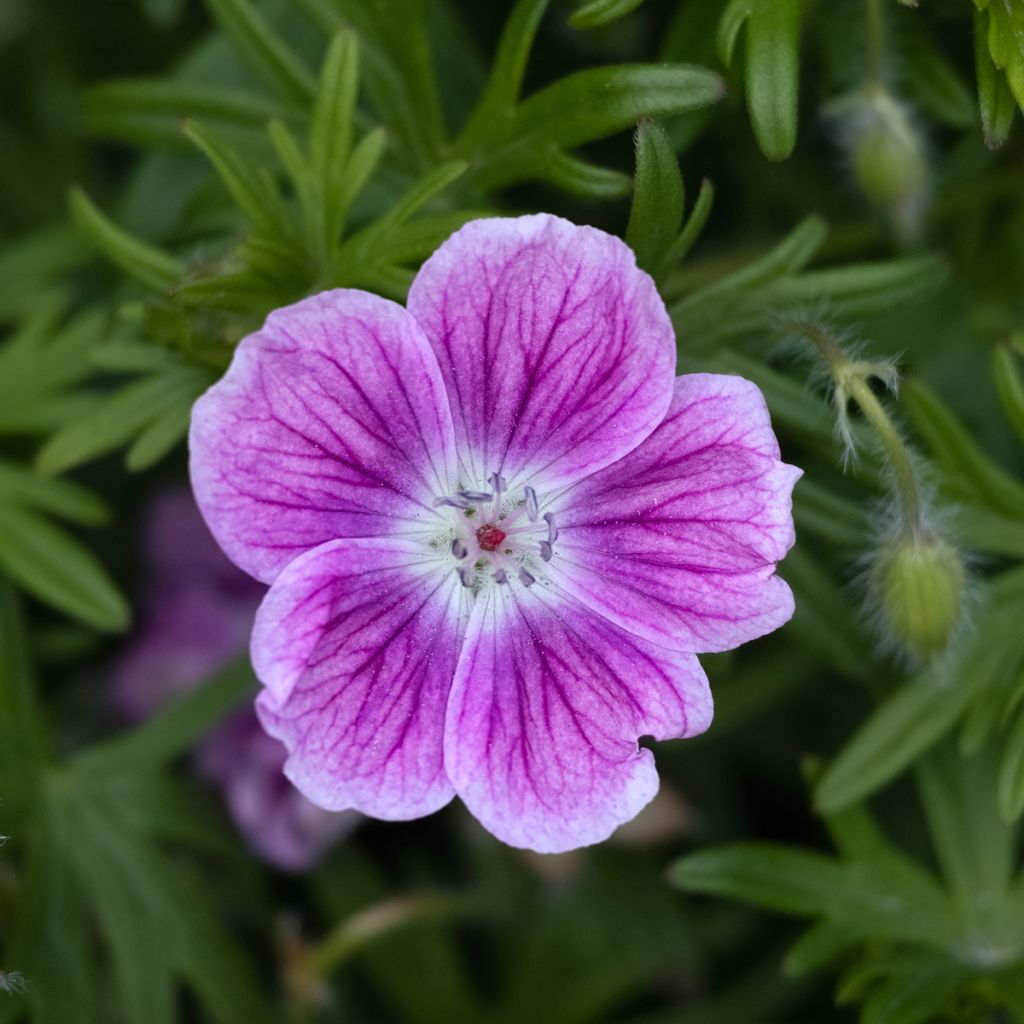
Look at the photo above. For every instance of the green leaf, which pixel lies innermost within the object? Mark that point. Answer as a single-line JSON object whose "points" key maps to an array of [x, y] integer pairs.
{"points": [[733, 17], [915, 994], [1010, 386], [965, 466], [150, 112], [159, 438], [794, 881], [398, 74], [831, 517], [860, 289], [112, 869], [693, 226], [773, 66], [995, 100], [602, 12], [598, 102], [913, 718], [779, 878], [330, 132], [23, 737], [501, 95], [174, 728], [263, 49], [252, 188], [63, 498], [589, 105], [822, 944], [58, 570], [581, 178], [361, 165], [973, 844], [363, 257], [935, 83], [1011, 773], [120, 416], [54, 942], [980, 528], [906, 724], [657, 211], [704, 307], [147, 264]]}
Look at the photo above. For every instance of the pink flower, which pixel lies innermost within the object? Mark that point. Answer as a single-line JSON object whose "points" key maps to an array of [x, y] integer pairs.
{"points": [[496, 528], [198, 613]]}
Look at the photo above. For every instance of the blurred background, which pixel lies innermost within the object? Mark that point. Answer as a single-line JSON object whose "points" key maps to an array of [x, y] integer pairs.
{"points": [[842, 844]]}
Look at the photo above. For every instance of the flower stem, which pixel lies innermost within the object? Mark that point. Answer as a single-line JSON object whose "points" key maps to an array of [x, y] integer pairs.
{"points": [[876, 42], [851, 379]]}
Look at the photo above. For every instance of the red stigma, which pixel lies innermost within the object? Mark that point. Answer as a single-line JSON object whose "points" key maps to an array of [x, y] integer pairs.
{"points": [[489, 537]]}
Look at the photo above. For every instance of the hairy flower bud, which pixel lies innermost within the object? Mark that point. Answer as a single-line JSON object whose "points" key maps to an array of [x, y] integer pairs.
{"points": [[922, 582], [887, 155]]}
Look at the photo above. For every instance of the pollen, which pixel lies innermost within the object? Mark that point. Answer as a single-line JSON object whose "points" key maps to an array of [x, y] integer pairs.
{"points": [[489, 537]]}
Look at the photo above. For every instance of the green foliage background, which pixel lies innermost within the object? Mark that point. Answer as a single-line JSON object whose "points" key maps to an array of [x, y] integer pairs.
{"points": [[173, 170]]}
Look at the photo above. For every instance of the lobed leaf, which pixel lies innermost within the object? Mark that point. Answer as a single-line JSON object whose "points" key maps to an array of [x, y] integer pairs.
{"points": [[48, 563], [144, 262], [263, 49]]}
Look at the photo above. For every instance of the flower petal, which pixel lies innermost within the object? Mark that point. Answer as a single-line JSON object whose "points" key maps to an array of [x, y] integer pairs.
{"points": [[356, 644], [548, 703], [332, 421], [556, 350], [678, 541]]}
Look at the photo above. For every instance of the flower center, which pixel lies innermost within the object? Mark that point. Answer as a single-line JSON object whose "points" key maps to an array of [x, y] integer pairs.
{"points": [[513, 542], [489, 537]]}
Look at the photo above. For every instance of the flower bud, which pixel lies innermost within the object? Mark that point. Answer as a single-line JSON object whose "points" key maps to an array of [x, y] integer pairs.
{"points": [[922, 583], [887, 156]]}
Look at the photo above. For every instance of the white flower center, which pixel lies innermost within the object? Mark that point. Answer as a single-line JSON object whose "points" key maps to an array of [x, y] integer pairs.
{"points": [[497, 535]]}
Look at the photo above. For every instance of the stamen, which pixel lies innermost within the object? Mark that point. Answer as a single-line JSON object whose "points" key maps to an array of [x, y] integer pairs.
{"points": [[549, 518], [531, 504], [450, 502], [546, 551], [476, 496], [500, 576], [526, 578], [465, 575], [459, 550], [497, 482]]}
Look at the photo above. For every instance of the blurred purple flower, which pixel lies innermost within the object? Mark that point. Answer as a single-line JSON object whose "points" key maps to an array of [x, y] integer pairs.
{"points": [[198, 612], [496, 528]]}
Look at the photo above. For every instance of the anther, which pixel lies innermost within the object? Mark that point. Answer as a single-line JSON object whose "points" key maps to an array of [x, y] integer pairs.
{"points": [[465, 575], [546, 551], [500, 576], [459, 550], [476, 496], [497, 482], [451, 502], [526, 578], [549, 518], [531, 504]]}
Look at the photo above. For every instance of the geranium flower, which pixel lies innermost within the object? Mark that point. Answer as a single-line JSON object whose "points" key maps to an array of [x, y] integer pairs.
{"points": [[496, 528], [198, 611]]}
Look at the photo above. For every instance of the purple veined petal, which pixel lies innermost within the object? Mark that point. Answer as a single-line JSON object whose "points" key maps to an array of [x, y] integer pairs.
{"points": [[356, 645], [557, 352], [275, 819], [678, 541], [548, 703], [332, 421]]}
